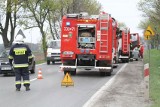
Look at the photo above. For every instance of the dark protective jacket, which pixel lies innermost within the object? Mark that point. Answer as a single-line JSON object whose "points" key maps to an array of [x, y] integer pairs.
{"points": [[21, 55]]}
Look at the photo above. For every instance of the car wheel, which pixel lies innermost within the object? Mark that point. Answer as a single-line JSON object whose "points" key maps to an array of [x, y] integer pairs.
{"points": [[48, 62], [33, 68]]}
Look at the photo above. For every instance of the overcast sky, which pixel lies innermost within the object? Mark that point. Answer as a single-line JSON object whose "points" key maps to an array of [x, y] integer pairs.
{"points": [[122, 10], [125, 11]]}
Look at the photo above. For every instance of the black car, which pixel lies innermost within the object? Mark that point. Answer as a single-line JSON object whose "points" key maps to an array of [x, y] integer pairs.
{"points": [[6, 68]]}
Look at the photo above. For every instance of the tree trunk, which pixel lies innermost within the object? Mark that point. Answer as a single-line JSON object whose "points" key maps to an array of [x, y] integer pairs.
{"points": [[44, 44], [5, 39]]}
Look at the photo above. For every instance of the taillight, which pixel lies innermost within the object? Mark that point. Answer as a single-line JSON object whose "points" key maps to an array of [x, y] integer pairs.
{"points": [[67, 54]]}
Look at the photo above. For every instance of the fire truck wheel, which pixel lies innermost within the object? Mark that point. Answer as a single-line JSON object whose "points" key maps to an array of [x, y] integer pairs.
{"points": [[102, 73], [127, 60], [73, 72], [123, 61], [108, 73], [48, 62], [65, 72]]}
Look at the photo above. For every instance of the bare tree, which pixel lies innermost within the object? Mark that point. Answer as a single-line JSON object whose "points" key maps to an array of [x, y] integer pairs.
{"points": [[10, 13]]}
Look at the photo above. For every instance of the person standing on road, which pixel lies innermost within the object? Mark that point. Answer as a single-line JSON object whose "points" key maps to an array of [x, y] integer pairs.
{"points": [[141, 50], [20, 57], [131, 50]]}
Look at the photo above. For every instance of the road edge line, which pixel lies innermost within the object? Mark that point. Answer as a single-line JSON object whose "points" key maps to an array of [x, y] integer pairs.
{"points": [[94, 98]]}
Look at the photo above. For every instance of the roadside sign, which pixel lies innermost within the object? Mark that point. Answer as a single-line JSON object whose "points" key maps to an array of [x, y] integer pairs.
{"points": [[20, 33], [67, 81], [147, 37], [149, 32]]}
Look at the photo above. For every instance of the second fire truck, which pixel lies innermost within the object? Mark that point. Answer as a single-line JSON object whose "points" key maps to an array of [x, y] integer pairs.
{"points": [[124, 45]]}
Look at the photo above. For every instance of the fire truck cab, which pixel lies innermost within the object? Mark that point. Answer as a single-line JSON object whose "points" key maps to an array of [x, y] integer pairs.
{"points": [[86, 42]]}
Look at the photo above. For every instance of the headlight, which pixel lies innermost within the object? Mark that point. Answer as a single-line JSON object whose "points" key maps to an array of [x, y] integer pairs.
{"points": [[48, 54]]}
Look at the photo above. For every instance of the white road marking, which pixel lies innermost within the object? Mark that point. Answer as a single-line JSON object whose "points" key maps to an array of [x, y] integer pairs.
{"points": [[99, 93], [33, 79], [40, 64], [36, 78]]}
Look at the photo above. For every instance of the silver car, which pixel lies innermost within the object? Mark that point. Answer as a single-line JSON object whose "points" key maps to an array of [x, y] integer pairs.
{"points": [[6, 68]]}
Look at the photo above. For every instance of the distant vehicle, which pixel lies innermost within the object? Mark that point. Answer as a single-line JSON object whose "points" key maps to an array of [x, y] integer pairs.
{"points": [[135, 41], [6, 68], [53, 51]]}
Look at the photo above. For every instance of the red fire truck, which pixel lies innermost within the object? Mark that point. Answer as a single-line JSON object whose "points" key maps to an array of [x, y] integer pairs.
{"points": [[86, 43], [124, 45]]}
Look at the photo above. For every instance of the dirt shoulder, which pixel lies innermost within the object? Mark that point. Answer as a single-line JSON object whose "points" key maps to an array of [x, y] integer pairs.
{"points": [[127, 90]]}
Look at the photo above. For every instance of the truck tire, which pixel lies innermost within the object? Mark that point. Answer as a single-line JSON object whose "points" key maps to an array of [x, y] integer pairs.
{"points": [[65, 72], [48, 62], [102, 73], [73, 72], [127, 60], [108, 73], [123, 61]]}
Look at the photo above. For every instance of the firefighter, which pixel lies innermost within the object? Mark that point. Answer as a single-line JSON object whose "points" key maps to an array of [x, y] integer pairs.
{"points": [[141, 50], [20, 57], [131, 49]]}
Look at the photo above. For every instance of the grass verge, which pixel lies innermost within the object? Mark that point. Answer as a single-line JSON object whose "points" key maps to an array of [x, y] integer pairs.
{"points": [[40, 61], [153, 58]]}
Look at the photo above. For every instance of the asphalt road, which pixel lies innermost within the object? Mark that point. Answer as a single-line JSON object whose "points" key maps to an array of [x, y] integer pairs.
{"points": [[126, 89], [48, 92]]}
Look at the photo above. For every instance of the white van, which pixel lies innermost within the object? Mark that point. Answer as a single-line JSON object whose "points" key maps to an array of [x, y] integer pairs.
{"points": [[53, 51]]}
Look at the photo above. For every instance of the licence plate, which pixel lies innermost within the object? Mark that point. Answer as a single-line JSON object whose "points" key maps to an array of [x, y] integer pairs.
{"points": [[56, 58], [6, 68]]}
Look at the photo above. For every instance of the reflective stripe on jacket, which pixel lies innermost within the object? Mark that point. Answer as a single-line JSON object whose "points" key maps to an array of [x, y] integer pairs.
{"points": [[20, 54]]}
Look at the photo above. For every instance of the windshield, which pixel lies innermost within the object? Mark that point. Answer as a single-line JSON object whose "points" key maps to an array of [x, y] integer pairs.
{"points": [[4, 54], [54, 44], [134, 37], [86, 36]]}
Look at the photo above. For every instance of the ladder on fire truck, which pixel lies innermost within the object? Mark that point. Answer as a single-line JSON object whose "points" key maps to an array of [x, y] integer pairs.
{"points": [[125, 42], [104, 18]]}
